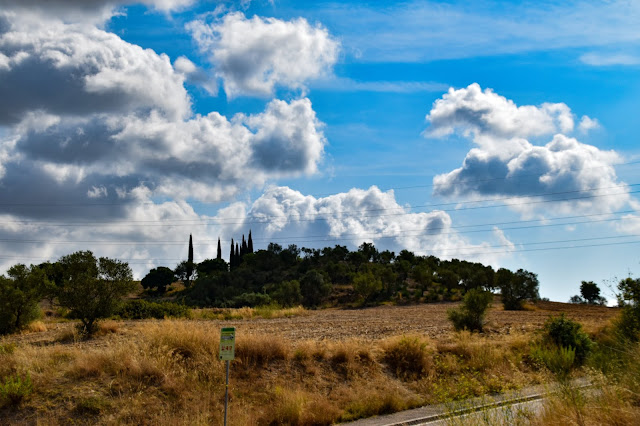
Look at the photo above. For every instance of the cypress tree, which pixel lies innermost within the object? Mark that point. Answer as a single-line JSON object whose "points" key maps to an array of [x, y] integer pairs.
{"points": [[190, 261], [250, 243], [237, 254], [219, 256], [232, 256], [243, 247]]}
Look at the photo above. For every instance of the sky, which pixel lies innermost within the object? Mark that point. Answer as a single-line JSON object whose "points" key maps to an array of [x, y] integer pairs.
{"points": [[497, 132]]}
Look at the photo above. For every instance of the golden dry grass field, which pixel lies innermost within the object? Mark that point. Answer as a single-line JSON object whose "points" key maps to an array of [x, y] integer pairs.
{"points": [[318, 367]]}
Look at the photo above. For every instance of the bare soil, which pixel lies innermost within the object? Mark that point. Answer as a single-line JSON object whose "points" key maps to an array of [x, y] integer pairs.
{"points": [[369, 324]]}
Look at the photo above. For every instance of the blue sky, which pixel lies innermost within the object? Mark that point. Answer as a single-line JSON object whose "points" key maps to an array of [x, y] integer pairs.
{"points": [[500, 132]]}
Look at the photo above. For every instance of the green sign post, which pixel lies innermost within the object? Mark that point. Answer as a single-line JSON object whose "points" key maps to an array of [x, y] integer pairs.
{"points": [[227, 353]]}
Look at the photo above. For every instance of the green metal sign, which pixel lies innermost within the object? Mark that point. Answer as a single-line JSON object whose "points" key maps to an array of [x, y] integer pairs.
{"points": [[228, 344]]}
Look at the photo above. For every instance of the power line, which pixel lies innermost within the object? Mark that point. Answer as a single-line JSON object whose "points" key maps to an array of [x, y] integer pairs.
{"points": [[264, 219], [344, 236], [192, 202], [356, 236]]}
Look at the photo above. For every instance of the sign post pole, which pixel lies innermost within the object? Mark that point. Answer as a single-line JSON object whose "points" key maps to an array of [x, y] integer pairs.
{"points": [[226, 395], [227, 353]]}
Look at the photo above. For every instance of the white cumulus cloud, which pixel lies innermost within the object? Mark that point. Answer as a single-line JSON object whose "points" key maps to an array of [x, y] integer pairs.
{"points": [[253, 56], [505, 162]]}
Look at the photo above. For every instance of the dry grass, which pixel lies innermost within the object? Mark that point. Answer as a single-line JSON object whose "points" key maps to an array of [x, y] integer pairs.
{"points": [[36, 327], [167, 372], [265, 312]]}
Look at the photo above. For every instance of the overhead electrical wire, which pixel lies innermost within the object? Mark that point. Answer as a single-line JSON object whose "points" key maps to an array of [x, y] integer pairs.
{"points": [[321, 216]]}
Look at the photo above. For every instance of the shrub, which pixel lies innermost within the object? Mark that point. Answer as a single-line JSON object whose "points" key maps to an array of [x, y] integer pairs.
{"points": [[141, 309], [470, 316], [629, 299], [15, 389], [251, 300], [559, 360], [566, 333]]}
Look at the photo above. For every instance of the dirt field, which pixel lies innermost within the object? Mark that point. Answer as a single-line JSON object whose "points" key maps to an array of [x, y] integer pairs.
{"points": [[374, 323]]}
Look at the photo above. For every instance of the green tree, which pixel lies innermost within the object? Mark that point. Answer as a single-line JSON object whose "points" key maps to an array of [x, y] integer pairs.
{"points": [[286, 293], [93, 288], [211, 266], [315, 288], [158, 278], [19, 296], [219, 254], [470, 315], [184, 273], [516, 288], [591, 293], [629, 300], [366, 284]]}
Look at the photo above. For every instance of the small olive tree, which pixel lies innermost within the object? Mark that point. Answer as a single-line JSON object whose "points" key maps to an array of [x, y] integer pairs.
{"points": [[158, 278], [19, 296], [93, 288], [516, 288]]}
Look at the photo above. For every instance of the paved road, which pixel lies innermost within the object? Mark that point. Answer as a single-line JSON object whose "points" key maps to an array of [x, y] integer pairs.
{"points": [[507, 408]]}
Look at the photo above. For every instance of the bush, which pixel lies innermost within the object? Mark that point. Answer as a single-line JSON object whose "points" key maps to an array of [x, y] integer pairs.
{"points": [[250, 300], [470, 316], [629, 299], [141, 309], [559, 360], [15, 389], [566, 333]]}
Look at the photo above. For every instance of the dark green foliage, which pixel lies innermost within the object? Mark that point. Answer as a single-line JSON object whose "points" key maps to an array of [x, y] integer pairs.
{"points": [[566, 333], [251, 300], [315, 288], [219, 251], [366, 284], [332, 275], [158, 279], [19, 296], [141, 309], [470, 316], [250, 243], [211, 267], [184, 272], [517, 288], [189, 265], [591, 293], [286, 293], [93, 288], [629, 299]]}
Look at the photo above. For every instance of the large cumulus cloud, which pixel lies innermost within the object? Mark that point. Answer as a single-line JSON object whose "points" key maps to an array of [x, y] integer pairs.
{"points": [[88, 117], [507, 161], [253, 56], [358, 216]]}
